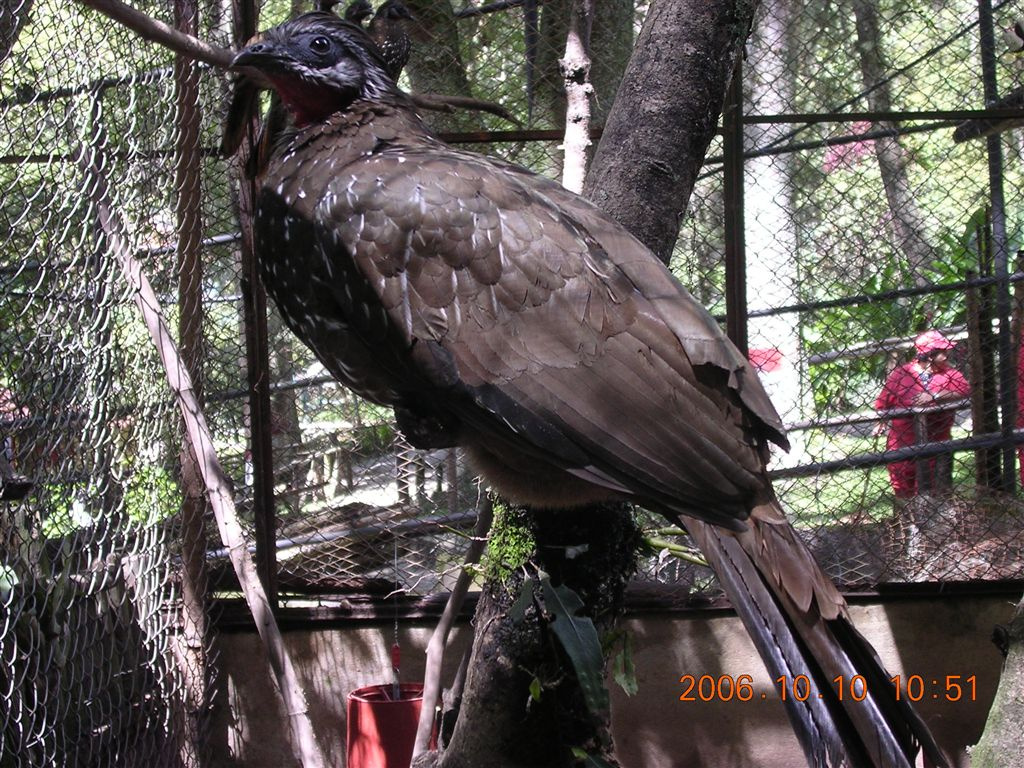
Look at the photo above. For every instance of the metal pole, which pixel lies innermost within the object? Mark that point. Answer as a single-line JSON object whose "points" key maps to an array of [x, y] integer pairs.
{"points": [[732, 191], [1007, 374], [257, 357]]}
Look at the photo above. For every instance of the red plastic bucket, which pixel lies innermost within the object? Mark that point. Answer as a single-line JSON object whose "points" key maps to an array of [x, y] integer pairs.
{"points": [[381, 728]]}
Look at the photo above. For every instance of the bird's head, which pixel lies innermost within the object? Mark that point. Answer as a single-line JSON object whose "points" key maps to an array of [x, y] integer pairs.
{"points": [[395, 10], [358, 11], [318, 63]]}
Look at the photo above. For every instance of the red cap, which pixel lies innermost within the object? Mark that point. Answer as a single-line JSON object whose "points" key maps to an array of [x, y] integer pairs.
{"points": [[930, 341]]}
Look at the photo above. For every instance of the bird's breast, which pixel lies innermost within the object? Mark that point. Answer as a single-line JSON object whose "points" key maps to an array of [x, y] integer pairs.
{"points": [[323, 298]]}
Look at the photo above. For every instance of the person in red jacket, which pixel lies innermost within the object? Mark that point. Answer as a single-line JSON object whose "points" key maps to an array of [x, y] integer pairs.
{"points": [[926, 380]]}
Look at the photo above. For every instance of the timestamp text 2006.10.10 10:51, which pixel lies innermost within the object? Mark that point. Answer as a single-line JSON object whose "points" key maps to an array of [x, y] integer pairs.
{"points": [[801, 688]]}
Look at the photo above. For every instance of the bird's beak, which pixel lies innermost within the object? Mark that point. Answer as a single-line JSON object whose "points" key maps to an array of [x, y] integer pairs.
{"points": [[260, 55]]}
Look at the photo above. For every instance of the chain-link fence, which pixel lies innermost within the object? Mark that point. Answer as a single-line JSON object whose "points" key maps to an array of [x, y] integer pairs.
{"points": [[863, 222]]}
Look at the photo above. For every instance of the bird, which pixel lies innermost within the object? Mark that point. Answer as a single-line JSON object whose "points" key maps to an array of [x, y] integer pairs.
{"points": [[494, 310], [1013, 36], [357, 12], [388, 28]]}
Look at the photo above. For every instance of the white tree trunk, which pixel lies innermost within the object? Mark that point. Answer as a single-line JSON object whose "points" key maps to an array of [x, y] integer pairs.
{"points": [[771, 241]]}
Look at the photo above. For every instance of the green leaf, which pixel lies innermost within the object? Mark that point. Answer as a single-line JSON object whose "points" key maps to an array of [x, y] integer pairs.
{"points": [[589, 760], [578, 637], [535, 689], [622, 666]]}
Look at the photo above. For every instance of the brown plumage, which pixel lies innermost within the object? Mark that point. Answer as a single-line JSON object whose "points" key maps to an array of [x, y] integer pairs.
{"points": [[497, 311]]}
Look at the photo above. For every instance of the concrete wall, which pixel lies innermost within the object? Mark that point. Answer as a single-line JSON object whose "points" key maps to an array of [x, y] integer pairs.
{"points": [[933, 638]]}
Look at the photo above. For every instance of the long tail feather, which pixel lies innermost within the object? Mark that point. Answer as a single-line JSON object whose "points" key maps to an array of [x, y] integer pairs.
{"points": [[798, 623]]}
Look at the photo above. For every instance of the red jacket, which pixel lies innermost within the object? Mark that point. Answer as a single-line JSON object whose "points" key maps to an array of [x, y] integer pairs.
{"points": [[901, 390]]}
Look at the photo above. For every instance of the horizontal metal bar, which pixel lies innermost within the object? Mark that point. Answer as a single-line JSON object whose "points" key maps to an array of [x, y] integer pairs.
{"points": [[642, 598], [890, 295], [921, 451], [957, 115], [416, 526]]}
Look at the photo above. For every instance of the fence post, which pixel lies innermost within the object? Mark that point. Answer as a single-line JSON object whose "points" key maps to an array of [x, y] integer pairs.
{"points": [[257, 354], [981, 370], [194, 504], [1017, 326], [735, 251], [1000, 256]]}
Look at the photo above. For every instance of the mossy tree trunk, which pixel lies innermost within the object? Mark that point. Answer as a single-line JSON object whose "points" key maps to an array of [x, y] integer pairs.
{"points": [[524, 705]]}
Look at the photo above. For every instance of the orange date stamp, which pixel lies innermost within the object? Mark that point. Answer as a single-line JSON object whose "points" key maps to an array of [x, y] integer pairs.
{"points": [[801, 688]]}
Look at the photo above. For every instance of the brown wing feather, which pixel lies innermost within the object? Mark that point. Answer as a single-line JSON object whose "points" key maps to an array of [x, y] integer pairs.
{"points": [[478, 258]]}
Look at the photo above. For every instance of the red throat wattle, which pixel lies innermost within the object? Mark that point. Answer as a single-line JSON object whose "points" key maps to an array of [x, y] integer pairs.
{"points": [[307, 102]]}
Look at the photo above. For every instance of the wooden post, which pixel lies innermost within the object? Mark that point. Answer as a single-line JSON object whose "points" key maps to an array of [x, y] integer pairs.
{"points": [[189, 226]]}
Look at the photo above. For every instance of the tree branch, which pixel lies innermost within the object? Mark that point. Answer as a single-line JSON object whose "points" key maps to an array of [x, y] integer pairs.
{"points": [[440, 103], [158, 32], [200, 443], [575, 69]]}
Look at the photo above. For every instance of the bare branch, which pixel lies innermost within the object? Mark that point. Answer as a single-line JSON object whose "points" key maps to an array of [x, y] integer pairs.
{"points": [[451, 103], [575, 68], [158, 32], [481, 10], [438, 640]]}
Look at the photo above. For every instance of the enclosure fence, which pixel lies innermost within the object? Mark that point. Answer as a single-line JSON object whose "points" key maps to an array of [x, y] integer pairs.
{"points": [[866, 186]]}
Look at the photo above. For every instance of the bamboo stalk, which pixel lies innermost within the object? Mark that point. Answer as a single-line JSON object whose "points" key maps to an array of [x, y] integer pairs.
{"points": [[200, 441]]}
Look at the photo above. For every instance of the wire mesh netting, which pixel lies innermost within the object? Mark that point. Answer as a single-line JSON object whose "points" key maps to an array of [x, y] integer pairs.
{"points": [[865, 224]]}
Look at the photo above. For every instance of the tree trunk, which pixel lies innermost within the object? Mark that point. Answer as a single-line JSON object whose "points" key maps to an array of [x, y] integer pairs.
{"points": [[666, 114], [435, 63], [501, 723], [611, 38], [770, 233], [893, 158], [1002, 742], [643, 174]]}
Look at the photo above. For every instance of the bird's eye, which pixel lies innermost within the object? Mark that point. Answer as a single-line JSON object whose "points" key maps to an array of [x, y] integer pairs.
{"points": [[320, 44]]}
